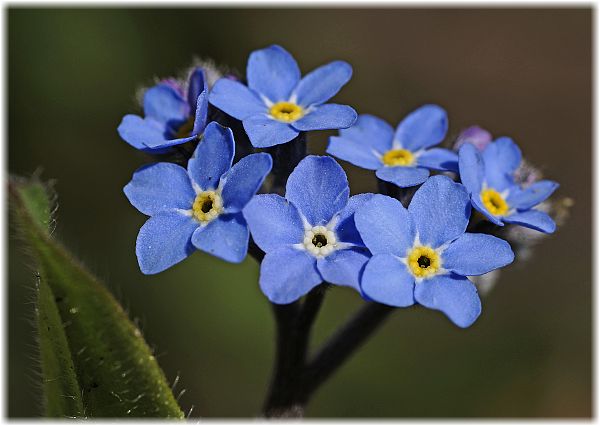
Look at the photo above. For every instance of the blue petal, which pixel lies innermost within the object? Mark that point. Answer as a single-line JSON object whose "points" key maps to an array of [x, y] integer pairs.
{"points": [[524, 199], [201, 114], [424, 127], [161, 145], [370, 132], [470, 164], [273, 221], [386, 280], [357, 153], [440, 209], [318, 187], [328, 116], [272, 72], [164, 240], [345, 229], [196, 85], [477, 203], [452, 294], [439, 159], [242, 181], [477, 254], [264, 131], [344, 267], [533, 219], [288, 274], [235, 99], [225, 237], [164, 104], [212, 157], [501, 159], [137, 131], [402, 176], [385, 226], [323, 83], [158, 187]]}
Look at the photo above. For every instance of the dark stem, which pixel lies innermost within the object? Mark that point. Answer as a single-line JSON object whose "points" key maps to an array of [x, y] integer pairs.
{"points": [[404, 195], [285, 158]]}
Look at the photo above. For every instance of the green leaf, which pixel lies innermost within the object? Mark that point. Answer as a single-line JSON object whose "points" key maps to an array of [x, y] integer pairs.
{"points": [[94, 360]]}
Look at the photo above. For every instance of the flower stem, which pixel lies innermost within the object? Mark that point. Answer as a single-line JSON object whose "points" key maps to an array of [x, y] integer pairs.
{"points": [[285, 158]]}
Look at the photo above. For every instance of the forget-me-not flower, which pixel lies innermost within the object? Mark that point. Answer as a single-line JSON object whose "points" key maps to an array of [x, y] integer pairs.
{"points": [[489, 178], [173, 114], [309, 236], [199, 208], [277, 105], [403, 157], [423, 254]]}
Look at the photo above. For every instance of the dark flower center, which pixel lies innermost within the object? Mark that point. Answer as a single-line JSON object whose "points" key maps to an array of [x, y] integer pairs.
{"points": [[424, 262], [185, 129], [319, 240], [207, 206]]}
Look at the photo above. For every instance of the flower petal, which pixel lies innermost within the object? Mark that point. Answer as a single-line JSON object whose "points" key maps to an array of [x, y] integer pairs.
{"points": [[454, 295], [524, 199], [386, 280], [385, 226], [328, 116], [196, 85], [264, 131], [164, 240], [158, 187], [201, 114], [164, 104], [441, 209], [470, 165], [242, 181], [212, 157], [272, 72], [288, 274], [424, 127], [225, 237], [345, 228], [136, 131], [501, 159], [401, 176], [477, 254], [323, 83], [370, 132], [354, 152], [439, 159], [235, 99], [318, 187], [273, 221], [533, 219], [344, 267]]}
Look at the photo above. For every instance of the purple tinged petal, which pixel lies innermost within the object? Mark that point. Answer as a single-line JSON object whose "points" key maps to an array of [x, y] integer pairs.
{"points": [[344, 267], [525, 199], [213, 156], [385, 226], [265, 132], [401, 176], [440, 209], [386, 280], [318, 187], [164, 240], [242, 181], [474, 135], [439, 159], [165, 104], [533, 219], [159, 187], [477, 254], [273, 221], [225, 237], [288, 274], [272, 72], [470, 164], [424, 127], [454, 295], [323, 83], [328, 116], [235, 99]]}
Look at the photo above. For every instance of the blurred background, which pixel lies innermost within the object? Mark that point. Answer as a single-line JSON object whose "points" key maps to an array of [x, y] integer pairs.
{"points": [[72, 75]]}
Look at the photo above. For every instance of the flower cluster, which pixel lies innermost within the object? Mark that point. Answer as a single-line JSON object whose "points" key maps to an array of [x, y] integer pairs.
{"points": [[416, 244]]}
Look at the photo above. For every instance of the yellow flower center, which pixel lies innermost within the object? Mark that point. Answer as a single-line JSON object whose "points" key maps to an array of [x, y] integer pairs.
{"points": [[286, 112], [423, 261], [398, 157], [494, 202], [207, 206]]}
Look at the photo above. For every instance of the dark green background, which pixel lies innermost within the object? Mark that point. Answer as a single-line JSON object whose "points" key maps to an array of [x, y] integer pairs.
{"points": [[72, 75]]}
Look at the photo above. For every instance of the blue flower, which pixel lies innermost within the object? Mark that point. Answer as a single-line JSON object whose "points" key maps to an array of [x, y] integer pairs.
{"points": [[423, 254], [171, 116], [401, 157], [199, 208], [489, 178], [277, 105], [309, 236]]}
